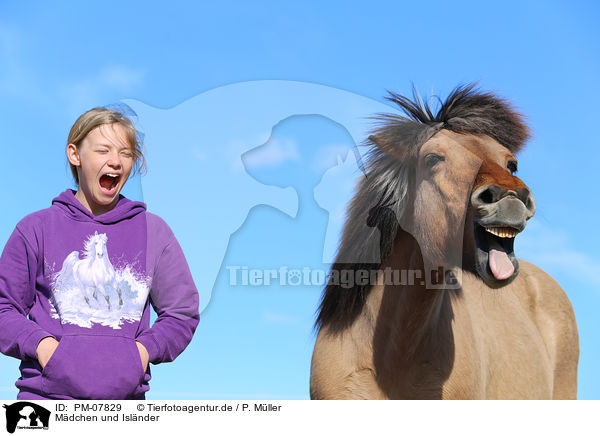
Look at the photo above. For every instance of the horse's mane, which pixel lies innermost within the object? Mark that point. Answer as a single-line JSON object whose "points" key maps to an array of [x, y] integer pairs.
{"points": [[381, 195]]}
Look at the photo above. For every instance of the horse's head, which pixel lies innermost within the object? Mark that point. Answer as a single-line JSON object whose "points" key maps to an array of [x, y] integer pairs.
{"points": [[99, 248], [442, 183], [468, 206], [95, 246], [459, 197]]}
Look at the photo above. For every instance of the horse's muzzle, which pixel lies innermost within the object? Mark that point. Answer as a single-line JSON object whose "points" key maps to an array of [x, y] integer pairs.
{"points": [[497, 206]]}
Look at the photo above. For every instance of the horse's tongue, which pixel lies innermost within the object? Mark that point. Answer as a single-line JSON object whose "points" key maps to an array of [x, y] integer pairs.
{"points": [[500, 264]]}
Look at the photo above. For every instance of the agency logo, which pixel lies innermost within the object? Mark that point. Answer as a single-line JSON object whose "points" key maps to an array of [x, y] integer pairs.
{"points": [[26, 415]]}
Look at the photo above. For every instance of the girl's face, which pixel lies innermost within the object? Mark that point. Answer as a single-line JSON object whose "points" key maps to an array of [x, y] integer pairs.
{"points": [[104, 161]]}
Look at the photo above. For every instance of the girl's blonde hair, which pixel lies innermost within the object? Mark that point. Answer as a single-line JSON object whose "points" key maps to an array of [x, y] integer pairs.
{"points": [[99, 116]]}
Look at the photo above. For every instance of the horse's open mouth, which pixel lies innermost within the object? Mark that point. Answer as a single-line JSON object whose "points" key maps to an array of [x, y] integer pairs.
{"points": [[109, 182], [495, 258]]}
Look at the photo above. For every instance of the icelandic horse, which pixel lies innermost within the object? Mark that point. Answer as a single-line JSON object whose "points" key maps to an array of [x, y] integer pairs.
{"points": [[440, 307]]}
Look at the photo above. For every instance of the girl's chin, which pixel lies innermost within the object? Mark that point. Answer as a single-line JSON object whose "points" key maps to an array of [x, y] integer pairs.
{"points": [[106, 198]]}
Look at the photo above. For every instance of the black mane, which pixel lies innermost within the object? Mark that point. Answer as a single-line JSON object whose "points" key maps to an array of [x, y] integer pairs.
{"points": [[371, 227]]}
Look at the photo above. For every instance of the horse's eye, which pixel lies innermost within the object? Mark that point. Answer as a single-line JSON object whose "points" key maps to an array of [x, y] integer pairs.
{"points": [[433, 159], [512, 166]]}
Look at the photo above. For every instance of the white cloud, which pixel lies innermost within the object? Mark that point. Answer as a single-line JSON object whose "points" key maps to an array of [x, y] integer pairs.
{"points": [[120, 77], [19, 80], [272, 154], [235, 151], [551, 249], [279, 318], [88, 91], [199, 154], [327, 156]]}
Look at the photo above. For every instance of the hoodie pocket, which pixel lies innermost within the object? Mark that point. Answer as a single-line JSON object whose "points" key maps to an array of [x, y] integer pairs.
{"points": [[94, 367]]}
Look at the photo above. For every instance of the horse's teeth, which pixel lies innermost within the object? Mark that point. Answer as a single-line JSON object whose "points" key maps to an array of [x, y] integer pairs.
{"points": [[502, 232]]}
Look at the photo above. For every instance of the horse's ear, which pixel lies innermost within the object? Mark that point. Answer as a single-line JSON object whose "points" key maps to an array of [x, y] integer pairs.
{"points": [[96, 233], [402, 139]]}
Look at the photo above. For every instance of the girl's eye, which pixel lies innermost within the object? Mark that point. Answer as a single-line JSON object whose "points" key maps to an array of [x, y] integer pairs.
{"points": [[433, 159], [102, 150], [512, 166]]}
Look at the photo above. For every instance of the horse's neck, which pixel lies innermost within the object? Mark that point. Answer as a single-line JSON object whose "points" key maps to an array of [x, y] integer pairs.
{"points": [[411, 319], [106, 265]]}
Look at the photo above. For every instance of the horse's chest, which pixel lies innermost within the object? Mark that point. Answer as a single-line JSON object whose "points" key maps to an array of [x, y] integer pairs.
{"points": [[499, 352]]}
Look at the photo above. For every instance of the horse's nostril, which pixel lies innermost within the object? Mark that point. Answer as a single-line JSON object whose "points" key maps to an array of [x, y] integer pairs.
{"points": [[487, 196], [530, 205]]}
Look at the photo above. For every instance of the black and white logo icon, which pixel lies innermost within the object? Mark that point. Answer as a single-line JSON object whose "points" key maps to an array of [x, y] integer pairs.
{"points": [[26, 415]]}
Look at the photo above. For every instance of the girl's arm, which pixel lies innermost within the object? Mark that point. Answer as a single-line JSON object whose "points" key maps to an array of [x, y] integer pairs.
{"points": [[19, 336], [174, 297]]}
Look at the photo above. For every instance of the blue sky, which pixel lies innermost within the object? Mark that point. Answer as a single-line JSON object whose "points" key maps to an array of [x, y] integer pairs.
{"points": [[167, 61]]}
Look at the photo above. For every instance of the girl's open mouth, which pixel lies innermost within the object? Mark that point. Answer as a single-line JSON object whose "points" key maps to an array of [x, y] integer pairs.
{"points": [[109, 182]]}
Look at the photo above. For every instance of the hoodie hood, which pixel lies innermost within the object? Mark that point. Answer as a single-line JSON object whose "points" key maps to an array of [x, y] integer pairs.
{"points": [[124, 209]]}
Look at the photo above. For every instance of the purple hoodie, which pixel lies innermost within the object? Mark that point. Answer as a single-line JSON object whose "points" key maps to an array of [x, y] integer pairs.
{"points": [[85, 280]]}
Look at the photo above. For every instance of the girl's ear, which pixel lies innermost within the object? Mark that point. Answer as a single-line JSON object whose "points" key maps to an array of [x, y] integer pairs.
{"points": [[73, 155]]}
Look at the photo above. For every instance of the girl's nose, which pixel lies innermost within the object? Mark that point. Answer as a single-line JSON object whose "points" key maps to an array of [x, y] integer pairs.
{"points": [[114, 161]]}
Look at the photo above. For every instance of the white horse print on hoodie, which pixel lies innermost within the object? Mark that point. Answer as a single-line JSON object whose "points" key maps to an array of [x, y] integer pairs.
{"points": [[91, 290]]}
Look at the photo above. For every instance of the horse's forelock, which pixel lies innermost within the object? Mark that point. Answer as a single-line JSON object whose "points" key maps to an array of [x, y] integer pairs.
{"points": [[465, 110]]}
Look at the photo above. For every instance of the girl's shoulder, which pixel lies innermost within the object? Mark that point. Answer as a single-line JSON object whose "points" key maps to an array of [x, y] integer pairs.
{"points": [[157, 227], [34, 220], [31, 227]]}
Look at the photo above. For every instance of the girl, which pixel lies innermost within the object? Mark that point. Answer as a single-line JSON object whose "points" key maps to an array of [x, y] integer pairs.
{"points": [[77, 279]]}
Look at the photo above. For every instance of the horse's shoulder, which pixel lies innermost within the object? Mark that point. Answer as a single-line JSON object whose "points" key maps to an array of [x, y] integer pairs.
{"points": [[554, 315], [541, 286], [546, 298]]}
